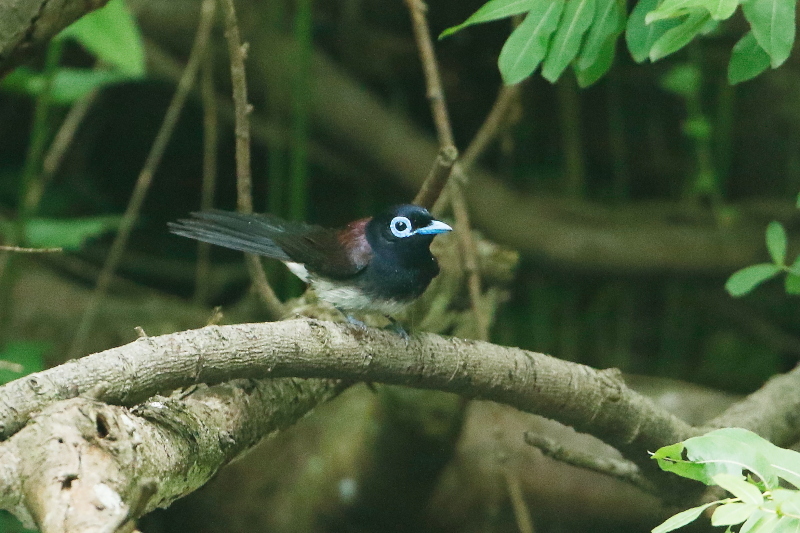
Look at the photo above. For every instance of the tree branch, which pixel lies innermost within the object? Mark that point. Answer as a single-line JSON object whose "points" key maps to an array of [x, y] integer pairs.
{"points": [[593, 401], [773, 411], [200, 437], [244, 180], [26, 26], [85, 466], [619, 468]]}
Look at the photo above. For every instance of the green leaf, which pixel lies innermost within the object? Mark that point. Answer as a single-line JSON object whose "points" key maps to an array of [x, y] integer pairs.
{"points": [[20, 358], [772, 23], [670, 459], [786, 462], [748, 60], [674, 8], [792, 284], [776, 242], [679, 36], [578, 16], [747, 492], [732, 514], [722, 9], [795, 267], [527, 45], [607, 25], [599, 48], [640, 36], [598, 69], [681, 519], [786, 524], [759, 522], [66, 233], [111, 34], [788, 502], [747, 279], [493, 10], [69, 84], [726, 450]]}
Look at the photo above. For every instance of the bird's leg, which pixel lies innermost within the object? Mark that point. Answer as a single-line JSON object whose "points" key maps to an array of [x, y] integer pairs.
{"points": [[397, 327], [353, 321]]}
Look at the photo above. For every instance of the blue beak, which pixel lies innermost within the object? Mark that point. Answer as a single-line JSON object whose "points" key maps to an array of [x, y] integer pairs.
{"points": [[433, 228]]}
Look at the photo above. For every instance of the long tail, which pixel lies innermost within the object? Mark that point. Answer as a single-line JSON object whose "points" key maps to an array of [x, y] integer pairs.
{"points": [[247, 233]]}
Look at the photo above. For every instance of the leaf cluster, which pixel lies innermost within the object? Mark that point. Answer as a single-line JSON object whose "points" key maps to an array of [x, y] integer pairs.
{"points": [[747, 466], [583, 33], [745, 280]]}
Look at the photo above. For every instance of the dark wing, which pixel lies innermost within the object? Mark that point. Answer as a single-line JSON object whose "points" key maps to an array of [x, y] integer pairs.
{"points": [[315, 247], [330, 253]]}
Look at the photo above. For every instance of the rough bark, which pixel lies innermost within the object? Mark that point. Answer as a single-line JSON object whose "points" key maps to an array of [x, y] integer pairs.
{"points": [[594, 401], [87, 466], [27, 25]]}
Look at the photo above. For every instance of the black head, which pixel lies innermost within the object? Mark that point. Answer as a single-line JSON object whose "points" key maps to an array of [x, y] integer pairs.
{"points": [[404, 231]]}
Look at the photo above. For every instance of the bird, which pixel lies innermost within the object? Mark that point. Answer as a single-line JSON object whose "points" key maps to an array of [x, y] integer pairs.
{"points": [[376, 264]]}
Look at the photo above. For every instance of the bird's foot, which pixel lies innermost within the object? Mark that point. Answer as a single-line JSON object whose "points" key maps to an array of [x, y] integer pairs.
{"points": [[350, 319], [353, 321], [398, 328]]}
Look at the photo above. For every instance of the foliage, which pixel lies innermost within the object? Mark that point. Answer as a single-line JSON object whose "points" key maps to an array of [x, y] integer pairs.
{"points": [[111, 35], [748, 278], [583, 33], [66, 233], [748, 467], [69, 234]]}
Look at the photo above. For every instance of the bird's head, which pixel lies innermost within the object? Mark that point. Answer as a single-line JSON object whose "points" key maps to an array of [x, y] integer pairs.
{"points": [[404, 229]]}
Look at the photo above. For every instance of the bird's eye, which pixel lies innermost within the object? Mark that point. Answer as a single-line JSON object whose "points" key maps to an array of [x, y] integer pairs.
{"points": [[401, 227]]}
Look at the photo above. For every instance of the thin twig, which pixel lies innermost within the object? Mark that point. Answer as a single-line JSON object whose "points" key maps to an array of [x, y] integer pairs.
{"points": [[432, 187], [19, 249], [619, 468], [242, 108], [30, 179], [492, 126], [470, 255], [438, 180], [146, 176], [422, 35], [522, 513], [61, 143], [210, 142], [499, 118]]}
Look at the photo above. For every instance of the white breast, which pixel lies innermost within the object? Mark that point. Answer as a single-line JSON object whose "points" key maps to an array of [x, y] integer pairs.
{"points": [[343, 296]]}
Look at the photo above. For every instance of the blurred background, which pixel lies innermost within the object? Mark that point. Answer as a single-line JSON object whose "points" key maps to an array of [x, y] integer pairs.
{"points": [[608, 217]]}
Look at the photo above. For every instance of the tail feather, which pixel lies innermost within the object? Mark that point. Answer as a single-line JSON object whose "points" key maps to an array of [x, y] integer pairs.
{"points": [[247, 233]]}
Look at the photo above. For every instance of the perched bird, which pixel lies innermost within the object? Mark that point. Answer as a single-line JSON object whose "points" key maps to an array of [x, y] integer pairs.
{"points": [[373, 264]]}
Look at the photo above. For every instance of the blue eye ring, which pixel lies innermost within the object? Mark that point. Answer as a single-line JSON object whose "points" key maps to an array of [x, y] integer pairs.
{"points": [[401, 227]]}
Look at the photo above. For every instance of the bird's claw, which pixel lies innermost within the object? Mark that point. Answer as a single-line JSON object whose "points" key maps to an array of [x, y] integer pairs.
{"points": [[353, 321], [398, 328]]}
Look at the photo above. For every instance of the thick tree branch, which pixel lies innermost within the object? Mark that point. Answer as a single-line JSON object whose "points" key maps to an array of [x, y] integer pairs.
{"points": [[86, 466], [200, 437], [595, 402], [773, 411]]}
